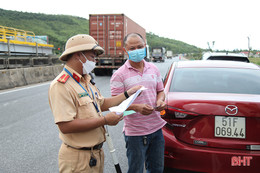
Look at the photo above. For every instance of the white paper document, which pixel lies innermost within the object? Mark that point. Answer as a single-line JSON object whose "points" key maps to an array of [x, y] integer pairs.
{"points": [[126, 103]]}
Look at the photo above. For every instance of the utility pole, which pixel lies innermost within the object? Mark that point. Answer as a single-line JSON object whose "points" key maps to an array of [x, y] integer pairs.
{"points": [[211, 47], [248, 47], [213, 43]]}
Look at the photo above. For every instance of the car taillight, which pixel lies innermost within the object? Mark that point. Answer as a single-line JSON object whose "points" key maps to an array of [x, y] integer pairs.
{"points": [[176, 113], [162, 113]]}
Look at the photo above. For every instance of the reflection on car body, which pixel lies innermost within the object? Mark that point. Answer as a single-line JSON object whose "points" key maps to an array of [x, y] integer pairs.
{"points": [[213, 116], [225, 56]]}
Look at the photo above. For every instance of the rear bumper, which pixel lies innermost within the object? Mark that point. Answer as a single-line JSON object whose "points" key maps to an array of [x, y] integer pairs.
{"points": [[184, 156]]}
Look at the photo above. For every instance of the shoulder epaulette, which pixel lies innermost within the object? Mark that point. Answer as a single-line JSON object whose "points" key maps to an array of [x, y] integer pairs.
{"points": [[64, 78]]}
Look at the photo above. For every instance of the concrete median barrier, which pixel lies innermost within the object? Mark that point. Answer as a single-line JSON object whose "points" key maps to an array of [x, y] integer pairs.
{"points": [[5, 80], [17, 77], [57, 69], [11, 78], [33, 75]]}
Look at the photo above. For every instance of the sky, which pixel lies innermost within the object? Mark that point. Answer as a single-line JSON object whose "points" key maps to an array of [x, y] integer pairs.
{"points": [[230, 24]]}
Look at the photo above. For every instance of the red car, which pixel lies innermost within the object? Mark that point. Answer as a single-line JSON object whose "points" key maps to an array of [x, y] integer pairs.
{"points": [[213, 117]]}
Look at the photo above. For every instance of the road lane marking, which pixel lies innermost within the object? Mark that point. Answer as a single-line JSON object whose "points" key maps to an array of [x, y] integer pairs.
{"points": [[24, 88]]}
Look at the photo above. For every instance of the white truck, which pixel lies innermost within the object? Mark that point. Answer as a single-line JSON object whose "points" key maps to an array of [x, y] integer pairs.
{"points": [[169, 54], [158, 54]]}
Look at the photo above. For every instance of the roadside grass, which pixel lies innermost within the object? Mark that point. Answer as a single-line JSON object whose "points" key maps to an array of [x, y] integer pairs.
{"points": [[192, 58], [255, 60]]}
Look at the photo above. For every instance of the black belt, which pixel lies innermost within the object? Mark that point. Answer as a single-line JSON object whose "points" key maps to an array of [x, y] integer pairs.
{"points": [[96, 147]]}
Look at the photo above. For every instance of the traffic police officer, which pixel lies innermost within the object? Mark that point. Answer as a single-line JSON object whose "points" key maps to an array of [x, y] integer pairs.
{"points": [[77, 105]]}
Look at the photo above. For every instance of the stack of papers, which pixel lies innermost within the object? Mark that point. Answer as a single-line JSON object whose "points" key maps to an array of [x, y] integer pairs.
{"points": [[126, 103]]}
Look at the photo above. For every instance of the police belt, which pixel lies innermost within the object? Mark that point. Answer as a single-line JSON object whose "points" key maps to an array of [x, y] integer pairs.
{"points": [[96, 147]]}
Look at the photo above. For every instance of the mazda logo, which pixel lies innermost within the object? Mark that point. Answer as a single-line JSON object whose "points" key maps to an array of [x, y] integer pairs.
{"points": [[231, 109]]}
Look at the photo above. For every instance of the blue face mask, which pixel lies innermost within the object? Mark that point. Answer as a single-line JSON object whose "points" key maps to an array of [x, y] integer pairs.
{"points": [[137, 55]]}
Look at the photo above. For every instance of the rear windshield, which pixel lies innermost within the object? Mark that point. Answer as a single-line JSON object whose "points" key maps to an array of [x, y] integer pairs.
{"points": [[229, 58], [216, 80]]}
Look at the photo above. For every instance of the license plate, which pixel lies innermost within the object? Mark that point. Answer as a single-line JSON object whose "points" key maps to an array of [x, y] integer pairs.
{"points": [[230, 127]]}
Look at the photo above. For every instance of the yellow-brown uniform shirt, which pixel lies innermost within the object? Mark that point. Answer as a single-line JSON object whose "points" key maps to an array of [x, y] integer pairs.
{"points": [[69, 101]]}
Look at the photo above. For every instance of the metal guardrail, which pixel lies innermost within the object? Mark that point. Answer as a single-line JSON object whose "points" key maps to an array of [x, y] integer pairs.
{"points": [[22, 62], [2, 63], [17, 62]]}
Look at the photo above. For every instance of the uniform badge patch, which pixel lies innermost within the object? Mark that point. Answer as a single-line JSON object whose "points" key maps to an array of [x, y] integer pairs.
{"points": [[76, 77], [83, 94], [63, 78]]}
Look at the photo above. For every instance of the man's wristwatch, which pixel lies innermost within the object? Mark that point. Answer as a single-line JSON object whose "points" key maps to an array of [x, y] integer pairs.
{"points": [[126, 95]]}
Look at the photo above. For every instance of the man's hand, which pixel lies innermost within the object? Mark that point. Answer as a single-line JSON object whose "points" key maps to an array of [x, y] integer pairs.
{"points": [[144, 109], [132, 90], [112, 118], [160, 105]]}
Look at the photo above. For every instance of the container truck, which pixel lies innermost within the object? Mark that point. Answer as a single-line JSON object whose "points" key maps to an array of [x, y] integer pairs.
{"points": [[109, 30], [158, 54]]}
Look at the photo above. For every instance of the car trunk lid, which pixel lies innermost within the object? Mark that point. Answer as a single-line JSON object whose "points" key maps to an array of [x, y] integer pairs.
{"points": [[216, 120]]}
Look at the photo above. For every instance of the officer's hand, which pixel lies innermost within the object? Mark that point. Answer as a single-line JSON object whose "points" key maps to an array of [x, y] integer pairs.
{"points": [[144, 109], [160, 105], [112, 118], [132, 90]]}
